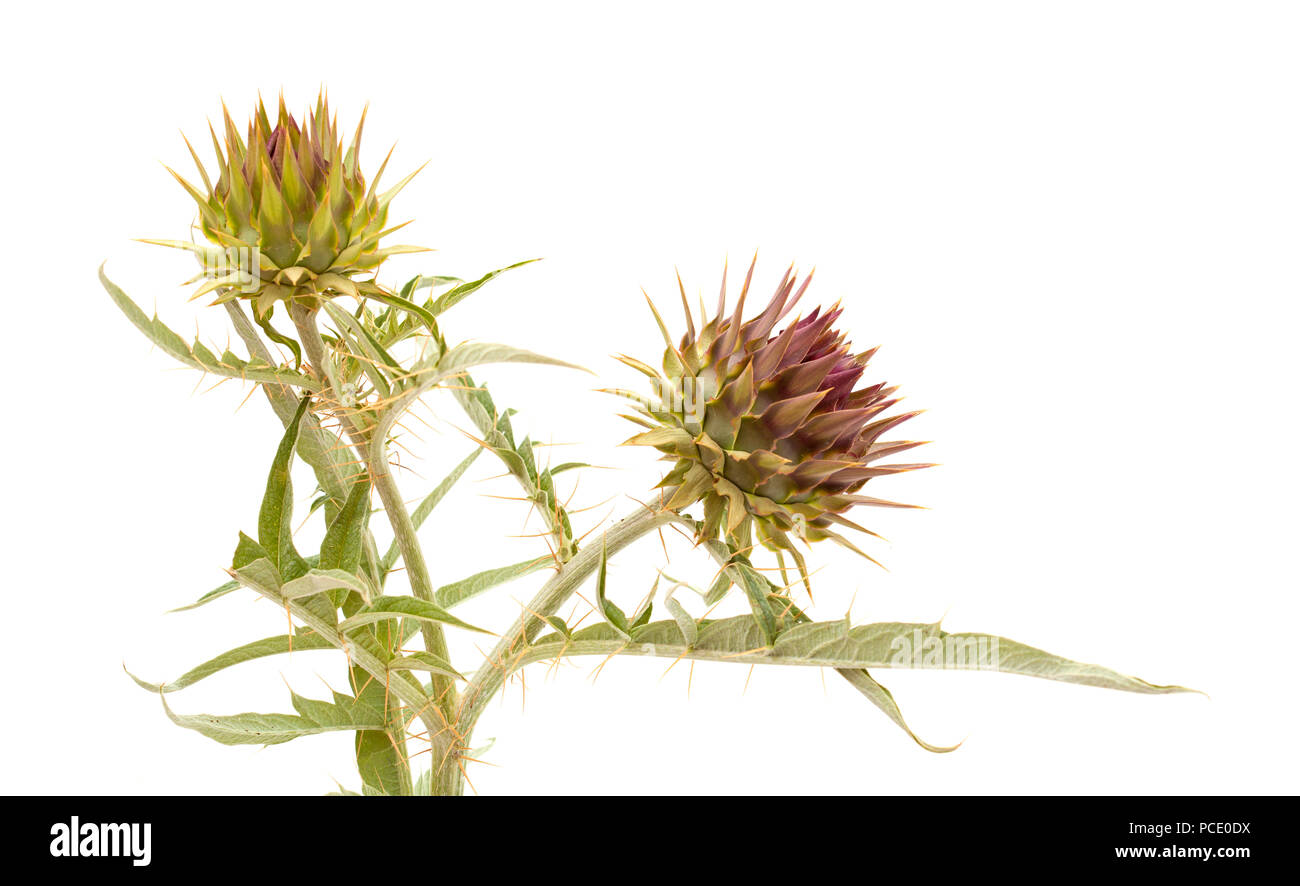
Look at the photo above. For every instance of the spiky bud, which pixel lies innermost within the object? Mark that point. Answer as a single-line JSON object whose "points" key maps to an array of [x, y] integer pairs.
{"points": [[290, 215], [770, 429]]}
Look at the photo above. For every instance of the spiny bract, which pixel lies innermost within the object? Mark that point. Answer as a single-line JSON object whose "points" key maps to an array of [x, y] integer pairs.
{"points": [[292, 201], [767, 429]]}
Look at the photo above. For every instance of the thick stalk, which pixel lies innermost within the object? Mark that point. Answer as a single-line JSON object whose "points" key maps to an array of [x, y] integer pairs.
{"points": [[446, 744], [514, 643], [443, 740]]}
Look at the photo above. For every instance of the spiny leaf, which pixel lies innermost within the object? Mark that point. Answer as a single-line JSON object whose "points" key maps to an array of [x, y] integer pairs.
{"points": [[269, 729], [300, 642], [425, 508], [471, 354], [685, 623], [612, 615], [393, 300], [384, 608], [262, 576], [319, 581], [341, 548], [424, 661], [755, 587], [837, 645], [882, 698], [457, 592], [202, 359], [454, 296], [214, 594], [274, 523]]}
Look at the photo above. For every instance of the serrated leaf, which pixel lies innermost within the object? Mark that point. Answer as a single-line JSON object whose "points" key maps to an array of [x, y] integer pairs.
{"points": [[837, 645], [174, 346], [269, 729]]}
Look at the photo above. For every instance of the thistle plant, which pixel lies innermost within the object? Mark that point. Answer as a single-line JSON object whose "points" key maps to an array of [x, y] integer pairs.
{"points": [[770, 425]]}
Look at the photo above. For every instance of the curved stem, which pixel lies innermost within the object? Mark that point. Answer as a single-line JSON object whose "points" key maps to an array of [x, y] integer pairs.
{"points": [[515, 642]]}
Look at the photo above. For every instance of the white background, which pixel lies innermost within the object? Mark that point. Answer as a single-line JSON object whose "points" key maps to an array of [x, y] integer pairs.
{"points": [[1073, 227]]}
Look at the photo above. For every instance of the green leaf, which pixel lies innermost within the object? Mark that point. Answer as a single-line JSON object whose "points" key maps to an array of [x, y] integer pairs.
{"points": [[320, 581], [837, 645], [214, 594], [721, 585], [882, 698], [380, 764], [452, 297], [612, 615], [264, 321], [202, 359], [396, 301], [269, 729], [301, 642], [379, 366], [274, 522], [341, 548], [262, 576], [494, 427], [246, 551], [424, 661], [425, 508], [469, 354], [424, 784], [558, 625], [457, 592], [755, 587], [422, 282], [686, 624], [384, 608]]}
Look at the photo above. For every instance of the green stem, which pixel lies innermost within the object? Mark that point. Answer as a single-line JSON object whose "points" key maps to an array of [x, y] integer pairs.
{"points": [[443, 740], [515, 642], [446, 747]]}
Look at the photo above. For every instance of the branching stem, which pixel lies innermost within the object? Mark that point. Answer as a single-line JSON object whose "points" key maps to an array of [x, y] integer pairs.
{"points": [[445, 742], [561, 586]]}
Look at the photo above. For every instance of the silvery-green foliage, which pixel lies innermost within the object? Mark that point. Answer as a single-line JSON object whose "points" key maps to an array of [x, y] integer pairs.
{"points": [[362, 366]]}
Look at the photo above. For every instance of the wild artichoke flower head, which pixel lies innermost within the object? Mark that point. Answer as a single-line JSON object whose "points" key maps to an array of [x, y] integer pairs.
{"points": [[771, 428], [290, 215]]}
